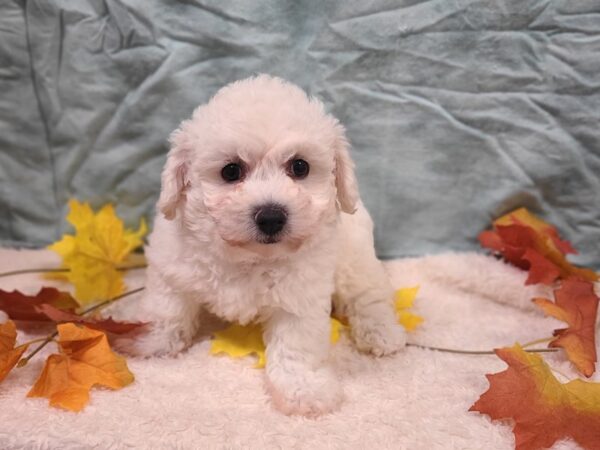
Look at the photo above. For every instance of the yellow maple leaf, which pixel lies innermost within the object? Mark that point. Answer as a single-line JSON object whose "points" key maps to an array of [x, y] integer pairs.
{"points": [[239, 341], [404, 299], [85, 360], [99, 245]]}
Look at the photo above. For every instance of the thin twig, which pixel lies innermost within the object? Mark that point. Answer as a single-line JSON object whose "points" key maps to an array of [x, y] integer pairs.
{"points": [[39, 270], [477, 352], [62, 269], [51, 337]]}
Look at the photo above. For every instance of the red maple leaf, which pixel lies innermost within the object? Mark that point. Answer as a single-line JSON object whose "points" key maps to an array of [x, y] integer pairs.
{"points": [[543, 410], [577, 305], [52, 305], [20, 306], [531, 244]]}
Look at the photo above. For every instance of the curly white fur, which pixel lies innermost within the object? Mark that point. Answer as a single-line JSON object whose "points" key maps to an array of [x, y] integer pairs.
{"points": [[207, 252]]}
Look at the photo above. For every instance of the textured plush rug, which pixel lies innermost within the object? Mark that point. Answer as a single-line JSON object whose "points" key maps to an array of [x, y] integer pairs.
{"points": [[417, 399]]}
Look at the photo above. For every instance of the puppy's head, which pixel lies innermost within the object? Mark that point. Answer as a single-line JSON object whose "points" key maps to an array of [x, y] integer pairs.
{"points": [[264, 162]]}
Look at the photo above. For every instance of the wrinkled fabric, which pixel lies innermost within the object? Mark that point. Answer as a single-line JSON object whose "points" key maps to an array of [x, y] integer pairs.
{"points": [[458, 111]]}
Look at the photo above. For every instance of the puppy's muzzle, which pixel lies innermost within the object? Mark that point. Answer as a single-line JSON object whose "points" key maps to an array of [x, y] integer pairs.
{"points": [[270, 218]]}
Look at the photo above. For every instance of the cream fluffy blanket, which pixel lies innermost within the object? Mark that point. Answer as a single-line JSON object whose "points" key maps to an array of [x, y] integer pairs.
{"points": [[417, 399]]}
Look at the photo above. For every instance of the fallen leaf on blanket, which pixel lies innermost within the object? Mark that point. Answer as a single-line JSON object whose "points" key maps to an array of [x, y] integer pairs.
{"points": [[85, 360], [532, 244], [404, 299], [109, 325], [577, 305], [9, 355], [238, 341], [543, 409], [52, 305], [92, 254], [20, 306], [522, 216], [336, 329]]}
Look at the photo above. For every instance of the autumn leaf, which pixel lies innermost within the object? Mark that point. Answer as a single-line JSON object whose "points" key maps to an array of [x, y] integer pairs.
{"points": [[543, 409], [522, 216], [336, 329], [238, 341], [20, 306], [9, 355], [531, 244], [52, 305], [99, 245], [109, 325], [85, 360], [577, 305], [404, 299]]}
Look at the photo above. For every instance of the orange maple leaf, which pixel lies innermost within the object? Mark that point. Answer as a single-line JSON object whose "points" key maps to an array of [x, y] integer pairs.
{"points": [[577, 305], [532, 244], [85, 360], [543, 409], [9, 355]]}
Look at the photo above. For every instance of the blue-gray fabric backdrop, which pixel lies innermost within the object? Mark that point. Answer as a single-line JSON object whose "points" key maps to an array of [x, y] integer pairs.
{"points": [[458, 110]]}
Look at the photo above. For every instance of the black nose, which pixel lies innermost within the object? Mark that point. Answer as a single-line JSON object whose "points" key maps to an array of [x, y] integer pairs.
{"points": [[270, 219]]}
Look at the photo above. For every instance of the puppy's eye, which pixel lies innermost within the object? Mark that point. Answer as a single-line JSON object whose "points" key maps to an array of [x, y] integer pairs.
{"points": [[232, 172], [299, 168]]}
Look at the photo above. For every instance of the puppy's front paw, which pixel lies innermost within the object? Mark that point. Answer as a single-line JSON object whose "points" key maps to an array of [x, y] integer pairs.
{"points": [[309, 393], [379, 338], [157, 341]]}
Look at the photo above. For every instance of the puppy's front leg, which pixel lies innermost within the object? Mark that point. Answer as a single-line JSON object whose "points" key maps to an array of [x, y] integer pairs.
{"points": [[366, 296], [363, 289], [298, 376]]}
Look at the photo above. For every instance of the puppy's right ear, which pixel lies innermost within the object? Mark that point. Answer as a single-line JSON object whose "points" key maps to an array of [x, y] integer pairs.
{"points": [[175, 179]]}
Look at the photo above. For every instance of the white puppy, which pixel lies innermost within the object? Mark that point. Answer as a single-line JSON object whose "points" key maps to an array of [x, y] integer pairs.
{"points": [[260, 220]]}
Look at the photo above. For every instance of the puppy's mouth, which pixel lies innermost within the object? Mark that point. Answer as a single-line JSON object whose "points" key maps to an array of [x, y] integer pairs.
{"points": [[269, 240]]}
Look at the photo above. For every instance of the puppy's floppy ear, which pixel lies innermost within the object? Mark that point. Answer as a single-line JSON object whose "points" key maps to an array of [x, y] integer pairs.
{"points": [[175, 179], [345, 179]]}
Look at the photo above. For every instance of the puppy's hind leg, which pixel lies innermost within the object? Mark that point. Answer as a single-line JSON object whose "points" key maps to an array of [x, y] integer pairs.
{"points": [[363, 290], [173, 318]]}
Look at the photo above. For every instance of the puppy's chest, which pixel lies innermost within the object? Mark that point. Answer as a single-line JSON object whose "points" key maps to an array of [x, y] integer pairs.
{"points": [[241, 295]]}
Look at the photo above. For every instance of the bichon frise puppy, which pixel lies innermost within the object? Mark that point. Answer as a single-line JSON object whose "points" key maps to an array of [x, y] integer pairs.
{"points": [[260, 220]]}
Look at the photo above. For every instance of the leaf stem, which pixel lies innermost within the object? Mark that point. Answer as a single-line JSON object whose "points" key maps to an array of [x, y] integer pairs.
{"points": [[63, 269], [23, 362], [45, 341], [476, 352], [111, 300], [33, 341], [537, 341]]}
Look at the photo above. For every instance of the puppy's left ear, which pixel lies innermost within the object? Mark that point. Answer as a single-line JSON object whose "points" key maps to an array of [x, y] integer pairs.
{"points": [[175, 178], [345, 179]]}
